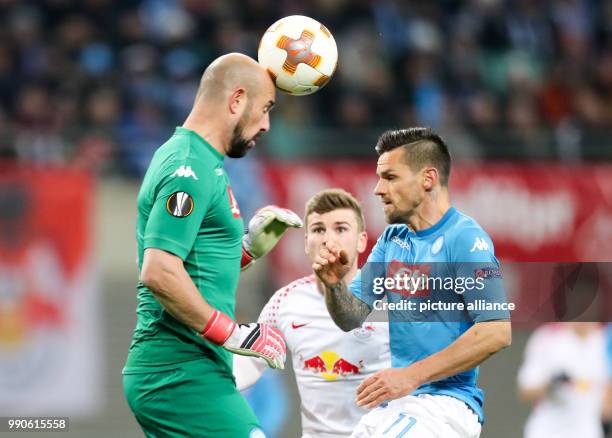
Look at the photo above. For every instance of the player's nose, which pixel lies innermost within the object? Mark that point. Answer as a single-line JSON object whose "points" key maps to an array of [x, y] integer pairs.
{"points": [[379, 189], [330, 243], [265, 123]]}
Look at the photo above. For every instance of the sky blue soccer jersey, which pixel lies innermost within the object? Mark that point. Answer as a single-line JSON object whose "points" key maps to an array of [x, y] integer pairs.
{"points": [[609, 347], [457, 259]]}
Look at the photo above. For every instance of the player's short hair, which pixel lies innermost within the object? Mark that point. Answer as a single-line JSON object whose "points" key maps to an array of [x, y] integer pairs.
{"points": [[422, 147], [334, 199]]}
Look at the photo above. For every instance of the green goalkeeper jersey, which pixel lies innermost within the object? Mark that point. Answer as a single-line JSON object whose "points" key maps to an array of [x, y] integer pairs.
{"points": [[186, 207]]}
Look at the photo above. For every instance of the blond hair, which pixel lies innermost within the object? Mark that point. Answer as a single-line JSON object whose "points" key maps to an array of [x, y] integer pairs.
{"points": [[334, 199]]}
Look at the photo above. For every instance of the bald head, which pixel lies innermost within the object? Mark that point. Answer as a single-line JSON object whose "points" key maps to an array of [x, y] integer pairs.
{"points": [[230, 72], [232, 106]]}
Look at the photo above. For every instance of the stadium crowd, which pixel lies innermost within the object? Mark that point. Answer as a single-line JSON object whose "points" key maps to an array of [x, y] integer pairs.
{"points": [[101, 83]]}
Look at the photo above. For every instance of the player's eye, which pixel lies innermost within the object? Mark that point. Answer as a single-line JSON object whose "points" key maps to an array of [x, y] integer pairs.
{"points": [[342, 229], [318, 230]]}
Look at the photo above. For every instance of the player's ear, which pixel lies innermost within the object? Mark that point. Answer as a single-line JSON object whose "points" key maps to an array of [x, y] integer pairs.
{"points": [[237, 100], [306, 242], [430, 178], [362, 242]]}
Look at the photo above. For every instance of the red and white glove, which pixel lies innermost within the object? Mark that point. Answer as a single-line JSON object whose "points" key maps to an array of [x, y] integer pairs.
{"points": [[265, 229], [259, 340]]}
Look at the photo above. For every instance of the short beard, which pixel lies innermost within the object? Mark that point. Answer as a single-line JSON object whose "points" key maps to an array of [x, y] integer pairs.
{"points": [[397, 217], [239, 146]]}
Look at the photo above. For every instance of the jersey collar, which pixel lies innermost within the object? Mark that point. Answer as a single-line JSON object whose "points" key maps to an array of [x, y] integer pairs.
{"points": [[199, 140], [438, 225]]}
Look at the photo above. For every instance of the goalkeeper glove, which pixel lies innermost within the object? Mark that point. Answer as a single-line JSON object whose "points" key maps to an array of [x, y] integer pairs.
{"points": [[265, 229], [259, 340]]}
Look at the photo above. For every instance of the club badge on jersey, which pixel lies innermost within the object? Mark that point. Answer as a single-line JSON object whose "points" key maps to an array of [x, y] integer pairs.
{"points": [[233, 203]]}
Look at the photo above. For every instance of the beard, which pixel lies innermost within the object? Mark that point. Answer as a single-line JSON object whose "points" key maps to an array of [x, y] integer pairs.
{"points": [[396, 216], [239, 146]]}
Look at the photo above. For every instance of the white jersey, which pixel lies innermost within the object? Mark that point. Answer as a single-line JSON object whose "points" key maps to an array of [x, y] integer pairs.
{"points": [[573, 410], [329, 364]]}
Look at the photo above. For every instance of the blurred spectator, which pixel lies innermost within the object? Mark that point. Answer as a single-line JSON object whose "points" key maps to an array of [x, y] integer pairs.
{"points": [[564, 376], [517, 79]]}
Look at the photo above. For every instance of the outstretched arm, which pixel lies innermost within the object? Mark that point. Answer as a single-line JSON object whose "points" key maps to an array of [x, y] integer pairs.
{"points": [[331, 266]]}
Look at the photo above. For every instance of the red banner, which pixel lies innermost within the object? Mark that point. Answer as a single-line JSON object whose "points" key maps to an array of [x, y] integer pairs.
{"points": [[533, 212], [48, 314]]}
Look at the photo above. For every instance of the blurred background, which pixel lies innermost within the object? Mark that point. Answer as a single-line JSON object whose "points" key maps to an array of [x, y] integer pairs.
{"points": [[521, 90]]}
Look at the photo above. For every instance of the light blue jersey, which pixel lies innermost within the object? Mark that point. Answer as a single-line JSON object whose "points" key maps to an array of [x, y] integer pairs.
{"points": [[461, 270], [609, 348]]}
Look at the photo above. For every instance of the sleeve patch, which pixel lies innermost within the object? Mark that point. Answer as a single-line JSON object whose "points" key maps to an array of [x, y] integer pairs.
{"points": [[488, 273], [180, 204]]}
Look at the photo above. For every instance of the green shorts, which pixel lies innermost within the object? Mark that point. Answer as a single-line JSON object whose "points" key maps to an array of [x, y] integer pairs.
{"points": [[186, 402]]}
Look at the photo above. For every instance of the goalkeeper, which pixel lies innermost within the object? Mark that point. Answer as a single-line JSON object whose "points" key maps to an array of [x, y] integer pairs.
{"points": [[178, 378]]}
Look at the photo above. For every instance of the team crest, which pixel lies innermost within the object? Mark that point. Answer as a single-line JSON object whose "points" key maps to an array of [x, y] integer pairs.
{"points": [[257, 433], [364, 332], [233, 203], [437, 245], [179, 204]]}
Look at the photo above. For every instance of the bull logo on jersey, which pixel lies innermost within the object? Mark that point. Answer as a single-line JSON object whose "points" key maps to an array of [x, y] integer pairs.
{"points": [[179, 204], [331, 366], [233, 203]]}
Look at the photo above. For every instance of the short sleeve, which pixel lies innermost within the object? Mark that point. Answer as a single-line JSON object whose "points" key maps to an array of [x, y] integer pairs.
{"points": [[362, 285], [535, 369], [182, 198], [476, 267]]}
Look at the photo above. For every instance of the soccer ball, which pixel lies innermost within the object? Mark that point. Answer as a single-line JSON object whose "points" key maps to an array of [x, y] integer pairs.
{"points": [[299, 53]]}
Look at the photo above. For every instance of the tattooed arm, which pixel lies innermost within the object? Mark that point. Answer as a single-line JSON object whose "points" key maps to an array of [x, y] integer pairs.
{"points": [[331, 267], [347, 311]]}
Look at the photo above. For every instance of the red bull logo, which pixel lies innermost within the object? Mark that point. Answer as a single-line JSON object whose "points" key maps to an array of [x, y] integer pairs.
{"points": [[331, 366], [25, 308]]}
